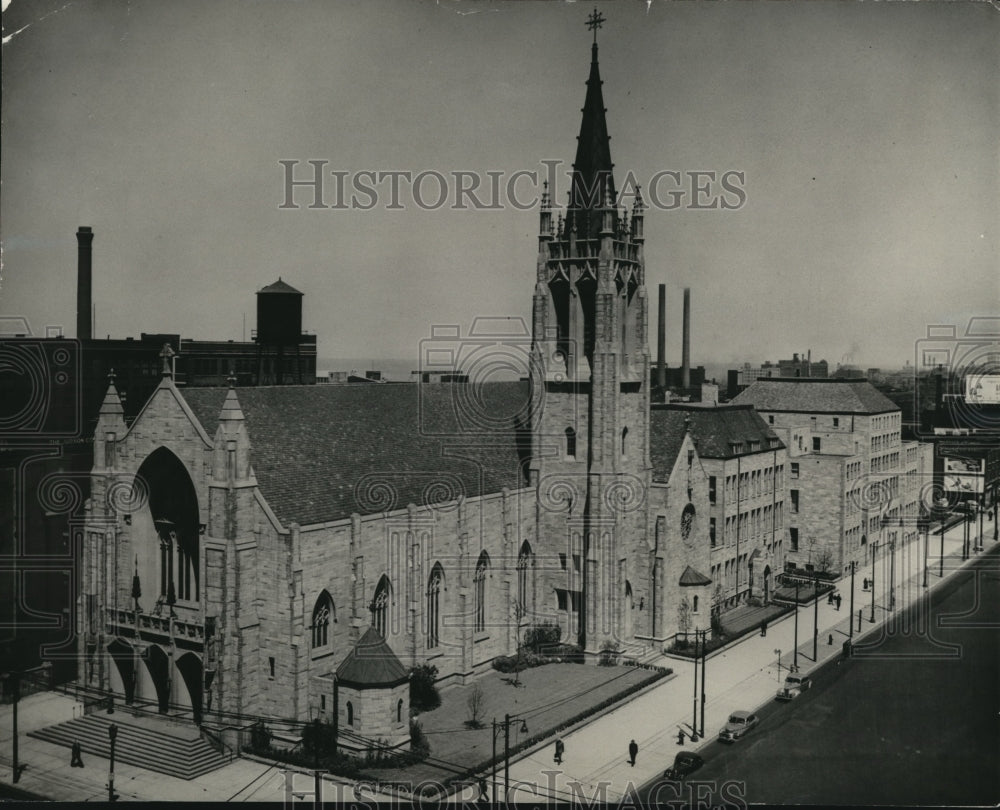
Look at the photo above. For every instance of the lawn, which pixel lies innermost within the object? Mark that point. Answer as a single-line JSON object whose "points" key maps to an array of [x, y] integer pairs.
{"points": [[549, 698]]}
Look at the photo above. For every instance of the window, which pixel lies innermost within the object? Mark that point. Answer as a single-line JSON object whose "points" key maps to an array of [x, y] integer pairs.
{"points": [[795, 469], [350, 713], [711, 531], [399, 711], [770, 419], [624, 437], [836, 422], [380, 605], [817, 443], [523, 560], [561, 598], [694, 605], [322, 703], [479, 579], [711, 489], [322, 612], [570, 442], [434, 587], [793, 537], [794, 493], [270, 666], [562, 561]]}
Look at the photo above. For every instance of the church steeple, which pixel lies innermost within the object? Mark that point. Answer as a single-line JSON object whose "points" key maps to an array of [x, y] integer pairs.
{"points": [[593, 177]]}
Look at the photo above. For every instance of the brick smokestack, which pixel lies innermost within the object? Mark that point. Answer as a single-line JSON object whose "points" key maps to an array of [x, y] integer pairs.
{"points": [[686, 345], [661, 340], [84, 327]]}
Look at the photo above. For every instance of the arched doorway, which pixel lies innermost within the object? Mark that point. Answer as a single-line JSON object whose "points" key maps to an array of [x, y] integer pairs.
{"points": [[123, 654], [158, 667], [190, 668]]}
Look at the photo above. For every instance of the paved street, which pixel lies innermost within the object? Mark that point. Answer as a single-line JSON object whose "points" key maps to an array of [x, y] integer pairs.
{"points": [[914, 721]]}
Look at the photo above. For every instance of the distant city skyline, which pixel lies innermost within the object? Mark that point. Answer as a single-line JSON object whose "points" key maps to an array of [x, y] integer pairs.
{"points": [[864, 134]]}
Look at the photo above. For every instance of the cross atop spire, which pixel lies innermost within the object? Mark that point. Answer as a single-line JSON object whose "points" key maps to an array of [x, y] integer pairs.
{"points": [[595, 21]]}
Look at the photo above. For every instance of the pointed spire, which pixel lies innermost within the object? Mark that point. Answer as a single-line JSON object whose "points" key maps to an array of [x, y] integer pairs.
{"points": [[592, 169], [231, 410], [112, 404]]}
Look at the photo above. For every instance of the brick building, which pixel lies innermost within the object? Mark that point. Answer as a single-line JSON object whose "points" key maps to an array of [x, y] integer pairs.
{"points": [[852, 481]]}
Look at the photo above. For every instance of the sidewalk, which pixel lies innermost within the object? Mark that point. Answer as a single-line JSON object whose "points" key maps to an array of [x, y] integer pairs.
{"points": [[742, 676]]}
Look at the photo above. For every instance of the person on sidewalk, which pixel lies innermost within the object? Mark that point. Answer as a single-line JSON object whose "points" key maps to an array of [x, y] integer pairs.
{"points": [[633, 751], [839, 599], [77, 759], [559, 752], [763, 629], [483, 794]]}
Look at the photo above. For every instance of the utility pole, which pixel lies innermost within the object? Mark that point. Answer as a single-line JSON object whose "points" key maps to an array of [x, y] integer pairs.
{"points": [[815, 617], [704, 658], [941, 560], [874, 552], [924, 524], [892, 573], [494, 762], [14, 682], [851, 622], [694, 718], [506, 757], [795, 653]]}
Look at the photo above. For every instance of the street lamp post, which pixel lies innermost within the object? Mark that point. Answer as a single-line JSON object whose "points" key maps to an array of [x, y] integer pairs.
{"points": [[892, 572], [694, 707], [941, 558], [704, 658], [113, 735], [14, 684], [507, 720], [778, 653], [923, 525]]}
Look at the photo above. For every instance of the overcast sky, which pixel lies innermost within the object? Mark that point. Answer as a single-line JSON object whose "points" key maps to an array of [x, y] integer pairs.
{"points": [[866, 132]]}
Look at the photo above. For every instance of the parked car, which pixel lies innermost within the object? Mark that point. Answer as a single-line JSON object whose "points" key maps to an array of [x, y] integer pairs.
{"points": [[739, 724], [794, 686], [685, 763]]}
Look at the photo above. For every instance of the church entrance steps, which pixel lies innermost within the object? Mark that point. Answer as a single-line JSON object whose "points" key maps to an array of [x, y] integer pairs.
{"points": [[157, 744]]}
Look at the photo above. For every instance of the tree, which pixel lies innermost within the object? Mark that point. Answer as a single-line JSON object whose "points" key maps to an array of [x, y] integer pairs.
{"points": [[423, 688], [475, 702], [684, 617], [824, 560]]}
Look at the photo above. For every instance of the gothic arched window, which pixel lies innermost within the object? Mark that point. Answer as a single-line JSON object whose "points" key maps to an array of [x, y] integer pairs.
{"points": [[624, 439], [434, 587], [350, 713], [380, 606], [479, 579], [321, 617], [570, 442]]}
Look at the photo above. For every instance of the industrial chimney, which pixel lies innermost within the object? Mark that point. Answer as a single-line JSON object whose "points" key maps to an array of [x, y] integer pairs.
{"points": [[661, 340], [84, 327], [686, 346]]}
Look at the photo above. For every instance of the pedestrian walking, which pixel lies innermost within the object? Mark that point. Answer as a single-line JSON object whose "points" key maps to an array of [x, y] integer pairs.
{"points": [[839, 599], [77, 759], [763, 628], [633, 751], [560, 747], [483, 796]]}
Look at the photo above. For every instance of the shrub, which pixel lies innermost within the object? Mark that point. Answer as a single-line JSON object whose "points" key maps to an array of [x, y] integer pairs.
{"points": [[260, 737], [318, 739], [504, 663], [542, 638], [423, 688], [609, 654], [418, 740], [718, 631]]}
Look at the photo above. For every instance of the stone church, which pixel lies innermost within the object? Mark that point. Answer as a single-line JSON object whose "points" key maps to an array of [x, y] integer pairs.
{"points": [[241, 542]]}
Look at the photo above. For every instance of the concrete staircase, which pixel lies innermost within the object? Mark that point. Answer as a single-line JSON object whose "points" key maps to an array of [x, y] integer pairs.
{"points": [[152, 743]]}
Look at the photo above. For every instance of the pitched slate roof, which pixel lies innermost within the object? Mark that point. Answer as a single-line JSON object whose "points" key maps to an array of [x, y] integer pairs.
{"points": [[371, 663], [323, 452], [666, 436], [692, 577], [817, 395], [724, 431]]}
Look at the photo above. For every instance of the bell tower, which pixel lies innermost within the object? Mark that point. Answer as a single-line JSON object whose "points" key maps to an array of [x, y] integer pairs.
{"points": [[590, 380]]}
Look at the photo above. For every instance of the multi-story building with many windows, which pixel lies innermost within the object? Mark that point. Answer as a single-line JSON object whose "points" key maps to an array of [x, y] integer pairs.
{"points": [[745, 462], [852, 481]]}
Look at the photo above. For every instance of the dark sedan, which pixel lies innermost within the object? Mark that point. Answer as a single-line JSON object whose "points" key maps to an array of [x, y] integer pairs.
{"points": [[685, 763]]}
